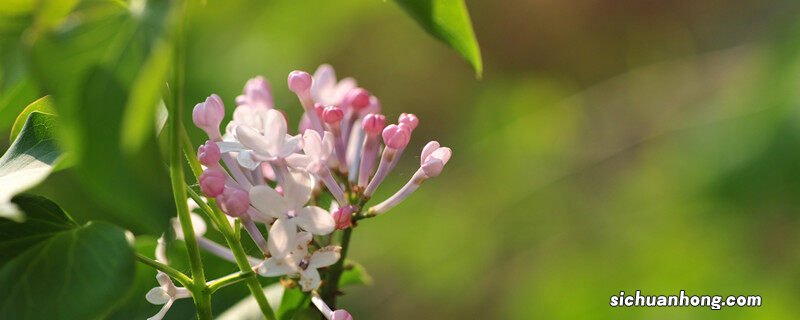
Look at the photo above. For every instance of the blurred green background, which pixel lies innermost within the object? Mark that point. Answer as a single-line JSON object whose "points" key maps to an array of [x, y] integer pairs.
{"points": [[610, 146]]}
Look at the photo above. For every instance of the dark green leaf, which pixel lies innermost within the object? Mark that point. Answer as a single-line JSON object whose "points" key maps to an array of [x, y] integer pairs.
{"points": [[43, 105], [68, 271], [448, 21], [27, 162], [354, 274], [293, 301], [44, 219]]}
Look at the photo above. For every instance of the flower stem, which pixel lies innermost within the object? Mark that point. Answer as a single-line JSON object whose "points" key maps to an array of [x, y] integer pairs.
{"points": [[331, 287], [230, 279], [183, 279], [200, 292]]}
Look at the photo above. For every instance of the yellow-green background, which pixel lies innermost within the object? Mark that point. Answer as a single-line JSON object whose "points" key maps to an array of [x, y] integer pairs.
{"points": [[610, 145]]}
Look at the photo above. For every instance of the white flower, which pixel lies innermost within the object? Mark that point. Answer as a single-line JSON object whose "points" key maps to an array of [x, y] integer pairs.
{"points": [[269, 143], [317, 151], [326, 90], [299, 262], [290, 212], [165, 294]]}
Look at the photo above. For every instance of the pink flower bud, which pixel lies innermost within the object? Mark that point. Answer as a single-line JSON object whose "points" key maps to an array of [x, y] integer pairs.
{"points": [[299, 81], [212, 182], [341, 314], [357, 98], [408, 119], [332, 114], [209, 154], [343, 217], [208, 115], [234, 202], [373, 123], [396, 137], [433, 158]]}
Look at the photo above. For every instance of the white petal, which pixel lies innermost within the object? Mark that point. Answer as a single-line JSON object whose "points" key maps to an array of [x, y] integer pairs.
{"points": [[246, 160], [302, 241], [277, 267], [442, 154], [315, 220], [324, 78], [309, 279], [274, 130], [230, 146], [297, 189], [299, 161], [291, 144], [427, 150], [325, 256], [312, 144], [327, 143], [268, 201], [282, 237], [161, 313], [251, 139], [157, 295]]}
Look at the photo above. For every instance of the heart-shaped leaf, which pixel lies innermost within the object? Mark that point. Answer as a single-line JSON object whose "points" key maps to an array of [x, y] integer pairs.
{"points": [[61, 270], [27, 162]]}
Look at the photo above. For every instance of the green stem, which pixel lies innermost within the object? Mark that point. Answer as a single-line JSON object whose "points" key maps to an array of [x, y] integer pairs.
{"points": [[230, 279], [188, 151], [331, 288], [183, 279], [200, 293]]}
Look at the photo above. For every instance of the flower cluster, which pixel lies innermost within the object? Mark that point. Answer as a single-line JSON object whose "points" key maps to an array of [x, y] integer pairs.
{"points": [[265, 175]]}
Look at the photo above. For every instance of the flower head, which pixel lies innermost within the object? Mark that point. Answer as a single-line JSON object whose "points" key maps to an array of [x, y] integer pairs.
{"points": [[290, 212], [396, 136], [433, 158], [165, 294], [299, 262], [212, 181], [208, 154], [270, 144], [208, 115], [299, 81]]}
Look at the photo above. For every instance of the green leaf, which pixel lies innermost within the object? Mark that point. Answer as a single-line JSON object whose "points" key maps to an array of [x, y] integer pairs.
{"points": [[90, 70], [293, 300], [27, 162], [43, 105], [140, 112], [70, 272], [354, 274], [448, 21], [44, 218]]}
